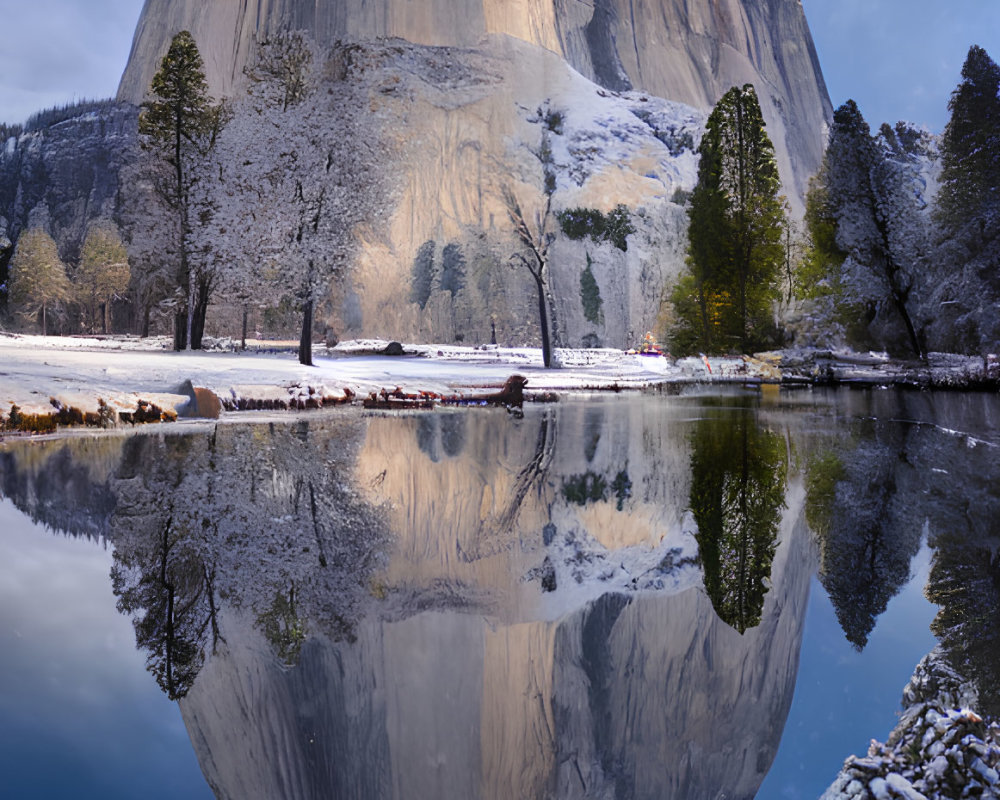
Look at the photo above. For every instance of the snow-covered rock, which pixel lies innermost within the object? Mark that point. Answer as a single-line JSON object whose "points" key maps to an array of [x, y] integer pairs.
{"points": [[940, 748]]}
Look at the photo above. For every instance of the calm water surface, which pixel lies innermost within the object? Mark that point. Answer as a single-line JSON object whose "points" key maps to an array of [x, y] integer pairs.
{"points": [[694, 596]]}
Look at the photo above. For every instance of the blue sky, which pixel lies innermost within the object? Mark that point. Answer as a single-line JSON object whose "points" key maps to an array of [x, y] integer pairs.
{"points": [[60, 51], [899, 59]]}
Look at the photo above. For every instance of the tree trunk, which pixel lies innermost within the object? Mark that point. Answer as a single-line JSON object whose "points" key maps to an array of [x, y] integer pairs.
{"points": [[189, 321], [44, 329], [107, 316], [200, 312], [180, 331], [543, 323], [706, 331], [911, 332], [243, 338], [305, 341], [144, 329]]}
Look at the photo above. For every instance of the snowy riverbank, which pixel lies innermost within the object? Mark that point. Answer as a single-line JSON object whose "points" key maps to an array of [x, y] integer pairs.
{"points": [[112, 375]]}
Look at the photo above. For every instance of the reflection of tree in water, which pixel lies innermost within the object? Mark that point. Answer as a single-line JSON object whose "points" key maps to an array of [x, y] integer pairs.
{"points": [[737, 492], [283, 627], [965, 583], [868, 534], [445, 430], [263, 517], [168, 591]]}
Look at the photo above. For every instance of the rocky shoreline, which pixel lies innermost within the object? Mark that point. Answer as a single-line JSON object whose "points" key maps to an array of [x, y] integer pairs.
{"points": [[941, 749]]}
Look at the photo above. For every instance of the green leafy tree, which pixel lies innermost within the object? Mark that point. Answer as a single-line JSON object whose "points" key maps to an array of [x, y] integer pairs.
{"points": [[177, 126], [38, 279], [104, 274], [735, 252]]}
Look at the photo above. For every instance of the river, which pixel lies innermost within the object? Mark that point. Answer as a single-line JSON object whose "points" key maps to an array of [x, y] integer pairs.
{"points": [[690, 595]]}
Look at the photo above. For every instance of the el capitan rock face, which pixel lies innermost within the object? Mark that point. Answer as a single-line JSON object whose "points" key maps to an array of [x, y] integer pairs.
{"points": [[689, 52], [466, 91], [465, 88]]}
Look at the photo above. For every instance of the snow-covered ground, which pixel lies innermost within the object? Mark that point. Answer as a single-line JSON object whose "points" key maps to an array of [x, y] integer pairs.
{"points": [[78, 371], [122, 370]]}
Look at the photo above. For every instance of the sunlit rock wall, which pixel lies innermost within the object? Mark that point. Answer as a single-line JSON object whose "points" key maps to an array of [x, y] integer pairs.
{"points": [[466, 124], [676, 49], [460, 103]]}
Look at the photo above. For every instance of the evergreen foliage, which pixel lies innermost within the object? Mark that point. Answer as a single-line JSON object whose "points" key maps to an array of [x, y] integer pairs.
{"points": [[735, 251], [422, 283], [48, 117], [970, 146], [177, 126], [965, 283], [590, 295], [38, 279], [612, 227], [452, 269], [8, 130]]}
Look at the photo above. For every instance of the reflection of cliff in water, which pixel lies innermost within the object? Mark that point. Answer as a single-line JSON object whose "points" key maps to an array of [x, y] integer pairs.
{"points": [[472, 678], [457, 604]]}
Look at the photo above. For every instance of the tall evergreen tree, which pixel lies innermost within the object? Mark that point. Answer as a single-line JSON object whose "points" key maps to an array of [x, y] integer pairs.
{"points": [[737, 218], [37, 276], [177, 125], [966, 288], [970, 147]]}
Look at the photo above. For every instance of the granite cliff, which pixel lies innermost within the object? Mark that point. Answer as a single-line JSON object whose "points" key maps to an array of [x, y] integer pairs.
{"points": [[63, 176], [466, 92], [466, 89], [675, 49]]}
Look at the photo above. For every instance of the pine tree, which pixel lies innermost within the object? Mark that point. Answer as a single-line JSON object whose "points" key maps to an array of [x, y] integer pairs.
{"points": [[177, 125], [103, 275], [735, 251], [970, 147], [37, 276], [966, 288]]}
